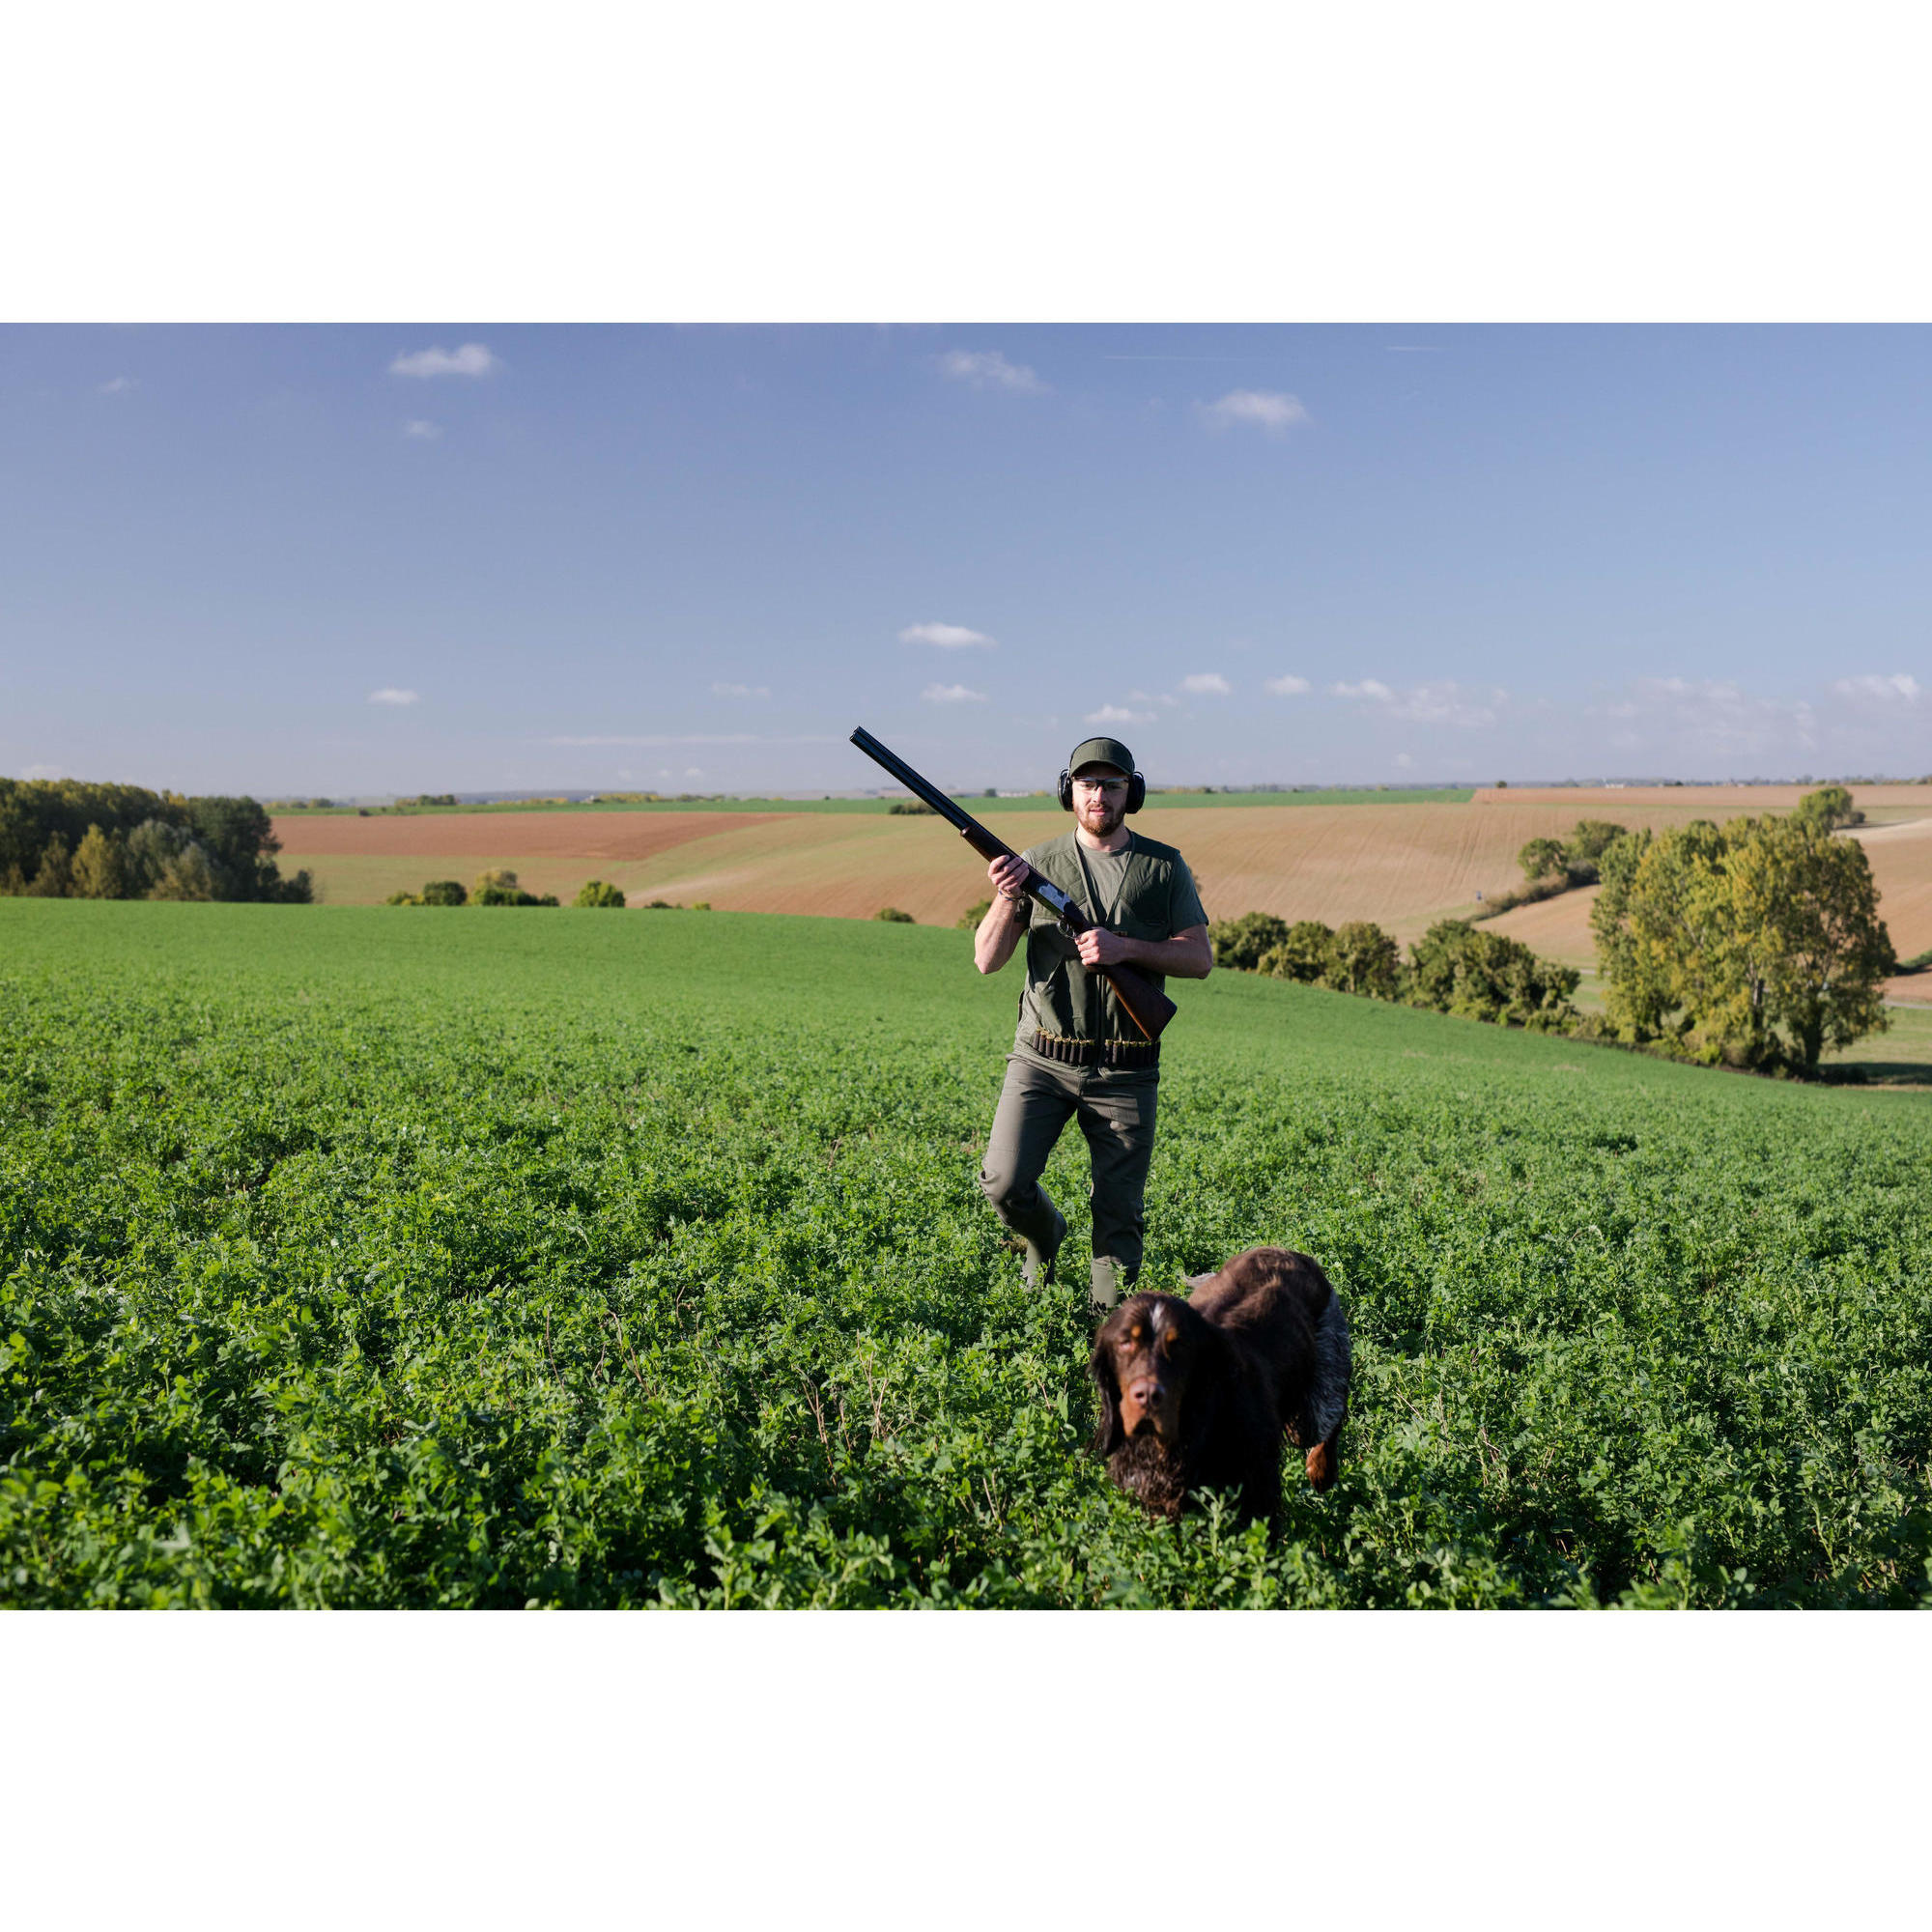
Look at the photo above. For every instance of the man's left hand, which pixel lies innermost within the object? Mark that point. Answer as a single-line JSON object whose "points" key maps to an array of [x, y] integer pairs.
{"points": [[1100, 948]]}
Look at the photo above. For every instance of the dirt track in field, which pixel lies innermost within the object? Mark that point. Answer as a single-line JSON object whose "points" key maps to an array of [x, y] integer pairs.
{"points": [[1402, 865]]}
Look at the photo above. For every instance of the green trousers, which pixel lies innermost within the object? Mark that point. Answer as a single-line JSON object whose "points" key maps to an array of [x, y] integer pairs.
{"points": [[1116, 1109]]}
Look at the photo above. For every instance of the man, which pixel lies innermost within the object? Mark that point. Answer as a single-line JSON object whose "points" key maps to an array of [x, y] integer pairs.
{"points": [[1077, 1052]]}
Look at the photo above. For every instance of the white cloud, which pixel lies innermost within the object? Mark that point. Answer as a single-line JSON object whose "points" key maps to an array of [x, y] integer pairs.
{"points": [[1444, 702], [947, 637], [117, 386], [1207, 683], [45, 771], [1288, 687], [742, 690], [422, 427], [951, 693], [1272, 409], [389, 694], [661, 739], [471, 359], [1881, 690], [988, 369], [1404, 762], [1114, 713], [1710, 719], [694, 771]]}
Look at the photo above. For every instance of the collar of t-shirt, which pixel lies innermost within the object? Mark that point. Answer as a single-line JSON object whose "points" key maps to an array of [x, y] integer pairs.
{"points": [[1106, 876]]}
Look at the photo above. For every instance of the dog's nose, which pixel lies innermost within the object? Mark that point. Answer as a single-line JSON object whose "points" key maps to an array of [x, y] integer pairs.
{"points": [[1148, 1392]]}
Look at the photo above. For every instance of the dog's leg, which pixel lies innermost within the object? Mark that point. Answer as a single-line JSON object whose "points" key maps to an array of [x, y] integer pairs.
{"points": [[1325, 1460]]}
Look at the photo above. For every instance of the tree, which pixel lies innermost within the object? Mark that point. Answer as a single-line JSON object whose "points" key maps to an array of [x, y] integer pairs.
{"points": [[1541, 859], [1828, 807], [596, 893], [445, 893], [100, 869], [1759, 944], [892, 916], [1583, 850], [1812, 951], [50, 881]]}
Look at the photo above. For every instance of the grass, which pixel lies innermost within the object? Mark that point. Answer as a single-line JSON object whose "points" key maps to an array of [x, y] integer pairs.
{"points": [[473, 1256]]}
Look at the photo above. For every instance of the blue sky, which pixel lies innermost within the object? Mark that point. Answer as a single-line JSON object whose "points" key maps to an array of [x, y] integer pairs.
{"points": [[374, 559]]}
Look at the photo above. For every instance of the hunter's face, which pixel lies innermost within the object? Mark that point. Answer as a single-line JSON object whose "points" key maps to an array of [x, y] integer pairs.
{"points": [[1099, 798]]}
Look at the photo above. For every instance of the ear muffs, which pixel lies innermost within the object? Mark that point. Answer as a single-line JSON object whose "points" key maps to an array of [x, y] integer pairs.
{"points": [[1136, 791]]}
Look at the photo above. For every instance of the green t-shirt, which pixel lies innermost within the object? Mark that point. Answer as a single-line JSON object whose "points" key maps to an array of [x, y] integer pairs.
{"points": [[1145, 892]]}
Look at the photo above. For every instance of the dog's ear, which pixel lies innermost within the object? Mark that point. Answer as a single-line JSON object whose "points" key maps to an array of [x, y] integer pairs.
{"points": [[1108, 1435], [1210, 1373]]}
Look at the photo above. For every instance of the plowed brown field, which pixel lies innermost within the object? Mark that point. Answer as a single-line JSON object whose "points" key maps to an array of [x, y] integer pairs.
{"points": [[1402, 865]]}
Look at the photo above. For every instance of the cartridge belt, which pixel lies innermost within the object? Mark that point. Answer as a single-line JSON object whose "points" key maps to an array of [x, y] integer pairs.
{"points": [[1073, 1051]]}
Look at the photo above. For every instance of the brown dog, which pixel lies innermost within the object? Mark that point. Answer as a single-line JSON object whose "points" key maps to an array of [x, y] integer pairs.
{"points": [[1198, 1394]]}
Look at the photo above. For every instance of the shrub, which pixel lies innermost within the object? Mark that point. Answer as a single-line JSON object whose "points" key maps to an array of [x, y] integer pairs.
{"points": [[894, 917], [1363, 958], [597, 893], [405, 898], [1305, 954], [500, 887], [445, 893], [1239, 943], [968, 920], [910, 808], [1829, 808], [1455, 968]]}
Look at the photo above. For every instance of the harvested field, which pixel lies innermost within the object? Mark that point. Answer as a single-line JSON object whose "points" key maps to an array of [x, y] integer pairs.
{"points": [[1634, 805], [472, 836], [1403, 864]]}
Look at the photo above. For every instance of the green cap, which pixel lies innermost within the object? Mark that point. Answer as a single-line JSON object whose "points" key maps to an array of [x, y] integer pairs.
{"points": [[1102, 751]]}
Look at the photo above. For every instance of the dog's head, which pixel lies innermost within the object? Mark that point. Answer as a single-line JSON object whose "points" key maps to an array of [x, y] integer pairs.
{"points": [[1149, 1354]]}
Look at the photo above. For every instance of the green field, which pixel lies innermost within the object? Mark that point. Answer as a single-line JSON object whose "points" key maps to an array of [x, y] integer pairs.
{"points": [[478, 1257]]}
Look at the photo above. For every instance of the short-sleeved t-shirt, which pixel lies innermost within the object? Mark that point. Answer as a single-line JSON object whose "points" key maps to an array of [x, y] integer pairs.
{"points": [[1145, 892]]}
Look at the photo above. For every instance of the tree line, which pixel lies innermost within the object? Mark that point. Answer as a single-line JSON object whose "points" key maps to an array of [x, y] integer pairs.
{"points": [[1757, 944], [67, 838]]}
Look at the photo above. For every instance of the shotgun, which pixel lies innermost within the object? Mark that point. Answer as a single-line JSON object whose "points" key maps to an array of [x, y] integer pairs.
{"points": [[1143, 1001]]}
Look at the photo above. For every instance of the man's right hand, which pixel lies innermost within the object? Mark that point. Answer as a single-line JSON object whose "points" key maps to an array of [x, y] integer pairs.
{"points": [[1008, 875]]}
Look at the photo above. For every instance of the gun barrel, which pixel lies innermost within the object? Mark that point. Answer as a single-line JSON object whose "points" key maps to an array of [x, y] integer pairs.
{"points": [[921, 789]]}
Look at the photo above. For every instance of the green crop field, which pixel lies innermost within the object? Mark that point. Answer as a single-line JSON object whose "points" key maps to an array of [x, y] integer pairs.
{"points": [[361, 1257]]}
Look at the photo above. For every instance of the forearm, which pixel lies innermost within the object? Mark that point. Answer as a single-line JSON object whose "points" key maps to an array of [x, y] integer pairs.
{"points": [[998, 933], [1186, 957]]}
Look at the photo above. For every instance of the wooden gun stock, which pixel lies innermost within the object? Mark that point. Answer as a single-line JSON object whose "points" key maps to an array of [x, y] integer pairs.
{"points": [[1141, 999]]}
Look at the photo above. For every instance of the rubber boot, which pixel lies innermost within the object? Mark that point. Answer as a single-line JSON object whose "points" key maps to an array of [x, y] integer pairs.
{"points": [[1037, 1269], [1103, 1294]]}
